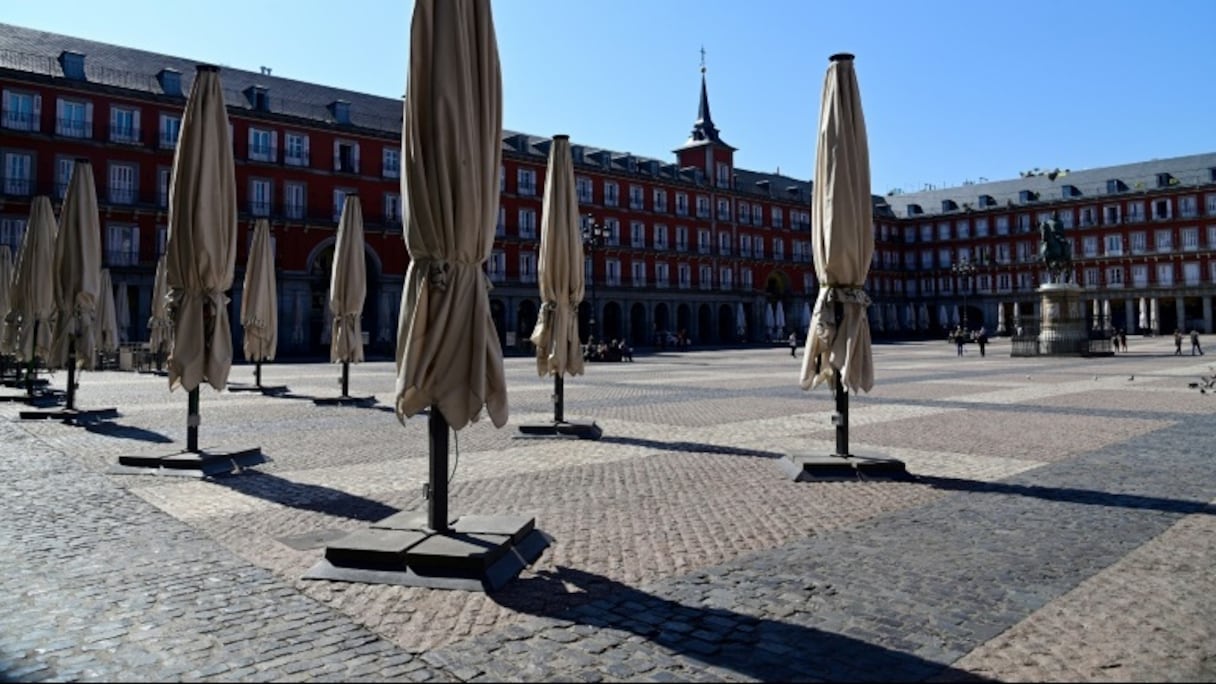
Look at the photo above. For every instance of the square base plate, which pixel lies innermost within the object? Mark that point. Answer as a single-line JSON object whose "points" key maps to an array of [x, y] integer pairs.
{"points": [[264, 389], [583, 429], [344, 401], [204, 463], [70, 415], [817, 467]]}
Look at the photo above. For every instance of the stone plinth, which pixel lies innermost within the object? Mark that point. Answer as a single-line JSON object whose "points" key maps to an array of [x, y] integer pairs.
{"points": [[1062, 325]]}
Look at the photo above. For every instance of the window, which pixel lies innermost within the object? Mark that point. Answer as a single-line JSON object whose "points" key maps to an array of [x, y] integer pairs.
{"points": [[339, 202], [22, 111], [1002, 225], [1025, 252], [723, 175], [124, 124], [638, 269], [703, 241], [723, 209], [662, 277], [637, 235], [682, 204], [1026, 281], [745, 212], [612, 269], [162, 239], [527, 267], [1165, 274], [170, 128], [1023, 223], [926, 233], [745, 244], [636, 201], [962, 229], [612, 194], [944, 257], [660, 200], [1190, 273], [660, 236], [1111, 215], [259, 197], [1140, 275], [295, 151], [1188, 207], [1163, 240], [685, 274], [584, 189], [391, 162], [293, 200], [1089, 245], [122, 245], [496, 266], [981, 227], [392, 208], [702, 206], [681, 238], [1190, 239], [707, 277], [122, 183], [1161, 210], [1114, 276], [778, 249], [346, 156], [1212, 237], [943, 231], [808, 282], [262, 145], [757, 215], [527, 223], [758, 245], [1135, 212], [1210, 200], [613, 227], [1114, 245], [12, 232], [726, 277], [63, 176], [500, 228], [926, 259], [75, 119], [1091, 277], [1139, 242], [777, 217]]}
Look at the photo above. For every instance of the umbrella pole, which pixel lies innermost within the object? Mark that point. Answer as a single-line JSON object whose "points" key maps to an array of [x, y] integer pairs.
{"points": [[842, 399], [346, 380], [559, 399], [71, 399], [29, 371], [437, 489], [192, 422], [257, 373]]}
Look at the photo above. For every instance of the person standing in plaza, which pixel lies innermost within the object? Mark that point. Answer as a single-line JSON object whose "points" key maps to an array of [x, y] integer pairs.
{"points": [[1195, 343], [981, 338], [1122, 339], [794, 344], [1177, 342]]}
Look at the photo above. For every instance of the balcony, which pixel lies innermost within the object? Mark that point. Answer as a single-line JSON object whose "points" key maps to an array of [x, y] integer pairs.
{"points": [[296, 158], [122, 195], [264, 153], [259, 208], [122, 257], [72, 128], [128, 135], [19, 120], [19, 187]]}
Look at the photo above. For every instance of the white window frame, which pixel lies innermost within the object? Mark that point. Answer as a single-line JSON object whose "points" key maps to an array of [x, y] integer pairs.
{"points": [[659, 198], [777, 216], [123, 186], [612, 194], [585, 189], [12, 232], [527, 223], [682, 203], [390, 162], [637, 269], [637, 234], [122, 244], [292, 209], [527, 266], [68, 124], [662, 275], [22, 110], [295, 149], [124, 124], [1190, 238], [169, 131], [392, 208], [637, 197], [496, 266], [660, 236], [684, 273], [261, 192], [707, 277]]}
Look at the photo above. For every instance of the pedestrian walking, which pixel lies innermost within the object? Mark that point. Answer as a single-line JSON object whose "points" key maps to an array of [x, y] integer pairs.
{"points": [[794, 344], [1195, 343], [1123, 339], [1177, 342], [981, 339]]}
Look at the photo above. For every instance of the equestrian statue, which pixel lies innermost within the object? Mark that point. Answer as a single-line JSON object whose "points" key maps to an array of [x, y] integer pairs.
{"points": [[1054, 250]]}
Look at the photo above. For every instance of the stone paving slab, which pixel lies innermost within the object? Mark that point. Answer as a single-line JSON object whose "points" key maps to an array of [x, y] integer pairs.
{"points": [[681, 553]]}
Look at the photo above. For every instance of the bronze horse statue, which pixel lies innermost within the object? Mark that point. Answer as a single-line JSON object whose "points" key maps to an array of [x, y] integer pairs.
{"points": [[1054, 250]]}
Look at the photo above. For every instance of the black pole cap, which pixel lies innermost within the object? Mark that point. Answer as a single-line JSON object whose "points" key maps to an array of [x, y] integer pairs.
{"points": [[841, 57], [561, 136], [206, 67]]}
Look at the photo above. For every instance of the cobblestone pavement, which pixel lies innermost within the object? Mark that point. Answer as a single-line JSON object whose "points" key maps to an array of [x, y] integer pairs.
{"points": [[1060, 527]]}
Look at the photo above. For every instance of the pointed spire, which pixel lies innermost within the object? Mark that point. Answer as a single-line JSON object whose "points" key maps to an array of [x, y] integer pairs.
{"points": [[703, 129]]}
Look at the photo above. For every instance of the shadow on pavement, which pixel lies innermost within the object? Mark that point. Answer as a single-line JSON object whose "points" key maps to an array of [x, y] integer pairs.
{"points": [[690, 447], [758, 648], [1071, 495], [308, 497], [112, 429], [360, 403]]}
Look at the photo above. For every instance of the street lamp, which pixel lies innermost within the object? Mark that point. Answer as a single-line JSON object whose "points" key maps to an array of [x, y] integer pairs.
{"points": [[964, 270], [594, 235]]}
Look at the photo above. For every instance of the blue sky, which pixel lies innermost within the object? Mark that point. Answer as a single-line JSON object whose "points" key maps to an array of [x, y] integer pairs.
{"points": [[952, 90]]}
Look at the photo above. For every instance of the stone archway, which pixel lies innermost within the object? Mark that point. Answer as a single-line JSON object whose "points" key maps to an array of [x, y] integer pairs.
{"points": [[526, 315], [637, 324], [613, 325], [662, 324], [684, 320], [726, 324], [705, 325]]}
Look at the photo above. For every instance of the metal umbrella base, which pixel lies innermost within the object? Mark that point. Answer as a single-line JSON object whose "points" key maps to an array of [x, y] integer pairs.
{"points": [[70, 415], [583, 429], [345, 399], [257, 385], [476, 552], [201, 463]]}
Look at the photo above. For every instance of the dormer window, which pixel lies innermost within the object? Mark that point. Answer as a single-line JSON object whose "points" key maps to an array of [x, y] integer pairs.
{"points": [[1115, 185], [170, 82], [72, 63], [723, 175], [1164, 180], [949, 205], [987, 201], [1069, 191], [340, 109], [1027, 196], [258, 98], [914, 210]]}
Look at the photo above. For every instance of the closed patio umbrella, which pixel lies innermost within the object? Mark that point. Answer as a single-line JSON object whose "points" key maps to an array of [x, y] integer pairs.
{"points": [[561, 282], [923, 316], [347, 290], [448, 356], [297, 319], [260, 305], [160, 328], [838, 347], [770, 320], [1000, 318], [6, 286], [200, 259], [107, 316], [122, 312], [779, 318], [741, 321], [32, 298], [1143, 314]]}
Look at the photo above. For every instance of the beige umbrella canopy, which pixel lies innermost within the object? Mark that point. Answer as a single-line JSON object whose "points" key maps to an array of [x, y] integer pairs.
{"points": [[107, 317], [6, 280], [200, 255], [348, 286], [160, 328], [560, 271], [122, 312], [77, 273], [842, 240], [28, 331], [448, 354], [259, 303]]}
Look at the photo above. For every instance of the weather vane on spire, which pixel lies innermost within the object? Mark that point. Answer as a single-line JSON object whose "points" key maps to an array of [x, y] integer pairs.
{"points": [[702, 59]]}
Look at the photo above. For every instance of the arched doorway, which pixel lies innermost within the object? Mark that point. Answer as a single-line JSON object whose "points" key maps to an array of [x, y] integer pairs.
{"points": [[498, 313], [662, 321], [526, 315], [637, 324], [320, 273], [684, 320], [705, 324], [613, 326], [726, 322], [584, 321]]}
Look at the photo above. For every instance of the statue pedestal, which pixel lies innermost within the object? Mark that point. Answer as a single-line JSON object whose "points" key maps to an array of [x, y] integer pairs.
{"points": [[1062, 326]]}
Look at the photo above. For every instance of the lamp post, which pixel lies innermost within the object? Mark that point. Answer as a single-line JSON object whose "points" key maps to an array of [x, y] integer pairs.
{"points": [[594, 236], [965, 270]]}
